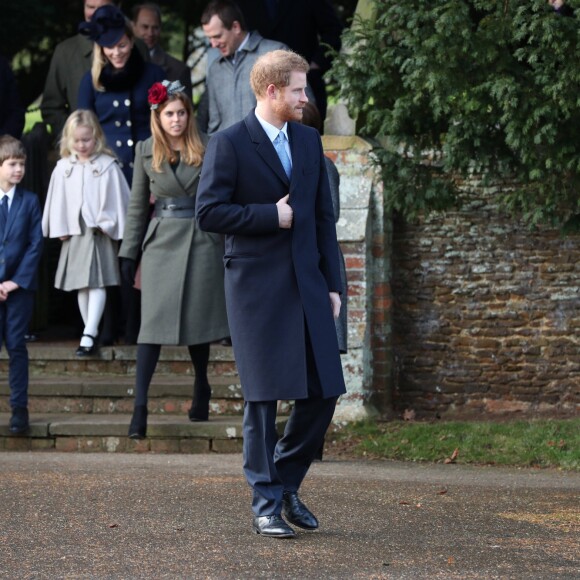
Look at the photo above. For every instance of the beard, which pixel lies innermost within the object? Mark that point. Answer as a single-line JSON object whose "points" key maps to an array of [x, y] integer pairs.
{"points": [[286, 112]]}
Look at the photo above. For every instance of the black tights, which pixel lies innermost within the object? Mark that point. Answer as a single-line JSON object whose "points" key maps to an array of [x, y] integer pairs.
{"points": [[147, 357]]}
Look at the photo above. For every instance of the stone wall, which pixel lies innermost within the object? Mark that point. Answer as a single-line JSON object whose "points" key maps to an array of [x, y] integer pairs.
{"points": [[363, 235], [486, 314]]}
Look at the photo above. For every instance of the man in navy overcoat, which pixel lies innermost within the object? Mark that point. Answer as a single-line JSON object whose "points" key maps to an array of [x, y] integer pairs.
{"points": [[282, 283]]}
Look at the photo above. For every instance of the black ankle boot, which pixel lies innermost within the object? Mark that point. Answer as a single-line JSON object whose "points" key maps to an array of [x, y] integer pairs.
{"points": [[200, 403], [138, 426]]}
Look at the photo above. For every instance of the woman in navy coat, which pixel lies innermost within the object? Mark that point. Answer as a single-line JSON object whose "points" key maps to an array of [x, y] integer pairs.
{"points": [[116, 90], [116, 86]]}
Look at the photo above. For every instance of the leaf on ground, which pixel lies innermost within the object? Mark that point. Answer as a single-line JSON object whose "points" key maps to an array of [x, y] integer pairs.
{"points": [[409, 415], [113, 525], [442, 491], [453, 457], [451, 560], [403, 502]]}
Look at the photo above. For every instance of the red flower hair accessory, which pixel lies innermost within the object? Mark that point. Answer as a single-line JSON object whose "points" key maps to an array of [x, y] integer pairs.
{"points": [[159, 92]]}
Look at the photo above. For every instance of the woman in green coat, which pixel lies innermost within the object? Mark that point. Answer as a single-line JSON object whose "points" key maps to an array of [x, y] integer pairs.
{"points": [[182, 293]]}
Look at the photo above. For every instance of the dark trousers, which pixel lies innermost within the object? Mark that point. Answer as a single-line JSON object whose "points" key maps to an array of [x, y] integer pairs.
{"points": [[272, 466], [15, 316]]}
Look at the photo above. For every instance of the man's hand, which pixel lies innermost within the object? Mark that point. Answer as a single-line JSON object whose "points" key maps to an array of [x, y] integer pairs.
{"points": [[285, 213], [7, 287], [335, 303]]}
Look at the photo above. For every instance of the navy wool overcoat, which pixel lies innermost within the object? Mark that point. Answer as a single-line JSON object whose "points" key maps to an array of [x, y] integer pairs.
{"points": [[276, 280]]}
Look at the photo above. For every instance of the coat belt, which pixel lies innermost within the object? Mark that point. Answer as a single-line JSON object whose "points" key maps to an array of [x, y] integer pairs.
{"points": [[175, 207]]}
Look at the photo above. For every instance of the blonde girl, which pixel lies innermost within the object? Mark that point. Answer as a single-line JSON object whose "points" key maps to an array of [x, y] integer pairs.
{"points": [[85, 208]]}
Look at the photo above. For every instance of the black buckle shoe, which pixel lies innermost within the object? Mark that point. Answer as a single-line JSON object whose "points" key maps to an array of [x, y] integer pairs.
{"points": [[19, 421], [272, 527], [296, 512], [83, 351]]}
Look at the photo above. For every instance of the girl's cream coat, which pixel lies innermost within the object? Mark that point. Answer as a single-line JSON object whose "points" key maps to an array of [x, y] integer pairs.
{"points": [[97, 190]]}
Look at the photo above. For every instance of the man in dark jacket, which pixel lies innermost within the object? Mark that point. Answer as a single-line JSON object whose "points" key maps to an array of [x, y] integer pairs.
{"points": [[11, 108], [309, 27], [147, 27], [264, 185]]}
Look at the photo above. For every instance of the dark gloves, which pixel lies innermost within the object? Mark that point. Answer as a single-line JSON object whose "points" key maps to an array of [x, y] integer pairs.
{"points": [[128, 270]]}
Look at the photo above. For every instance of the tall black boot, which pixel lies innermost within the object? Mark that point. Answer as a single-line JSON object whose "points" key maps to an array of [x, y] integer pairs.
{"points": [[138, 426]]}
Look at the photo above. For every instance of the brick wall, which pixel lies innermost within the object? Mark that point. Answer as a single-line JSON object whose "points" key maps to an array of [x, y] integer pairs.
{"points": [[486, 314]]}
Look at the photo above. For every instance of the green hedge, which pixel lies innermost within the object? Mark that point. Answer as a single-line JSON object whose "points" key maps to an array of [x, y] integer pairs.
{"points": [[455, 87]]}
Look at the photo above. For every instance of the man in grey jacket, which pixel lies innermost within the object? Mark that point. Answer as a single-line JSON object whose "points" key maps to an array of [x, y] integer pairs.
{"points": [[229, 95]]}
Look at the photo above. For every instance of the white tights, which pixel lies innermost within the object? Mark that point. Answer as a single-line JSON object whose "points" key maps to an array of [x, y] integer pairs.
{"points": [[91, 304]]}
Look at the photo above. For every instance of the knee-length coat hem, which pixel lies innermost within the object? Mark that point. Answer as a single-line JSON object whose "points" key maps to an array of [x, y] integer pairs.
{"points": [[182, 285], [277, 280]]}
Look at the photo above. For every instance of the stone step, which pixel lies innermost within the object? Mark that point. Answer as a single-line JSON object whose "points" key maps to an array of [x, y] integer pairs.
{"points": [[58, 358], [108, 433], [111, 394]]}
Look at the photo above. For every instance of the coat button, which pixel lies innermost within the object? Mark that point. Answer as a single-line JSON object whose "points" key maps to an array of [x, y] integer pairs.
{"points": [[128, 123], [130, 142], [117, 123], [127, 102], [118, 143], [115, 103]]}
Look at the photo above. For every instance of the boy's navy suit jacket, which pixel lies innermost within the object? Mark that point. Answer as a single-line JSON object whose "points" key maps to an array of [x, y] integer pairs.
{"points": [[21, 242]]}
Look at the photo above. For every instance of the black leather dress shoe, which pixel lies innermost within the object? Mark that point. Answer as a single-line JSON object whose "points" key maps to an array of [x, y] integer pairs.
{"points": [[273, 527], [297, 513], [19, 421]]}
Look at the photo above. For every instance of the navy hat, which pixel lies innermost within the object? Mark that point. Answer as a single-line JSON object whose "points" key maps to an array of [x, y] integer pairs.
{"points": [[106, 27]]}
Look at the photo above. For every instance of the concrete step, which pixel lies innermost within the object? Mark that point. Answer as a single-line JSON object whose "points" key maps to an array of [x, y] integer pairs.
{"points": [[108, 433]]}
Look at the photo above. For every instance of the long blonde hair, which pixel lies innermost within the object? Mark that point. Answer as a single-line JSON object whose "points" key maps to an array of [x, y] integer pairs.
{"points": [[83, 118], [100, 60], [193, 150]]}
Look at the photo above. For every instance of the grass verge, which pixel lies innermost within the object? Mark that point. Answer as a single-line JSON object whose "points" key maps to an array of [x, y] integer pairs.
{"points": [[518, 443]]}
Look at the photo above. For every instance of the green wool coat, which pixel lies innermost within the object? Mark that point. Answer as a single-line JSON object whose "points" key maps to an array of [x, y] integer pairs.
{"points": [[182, 275]]}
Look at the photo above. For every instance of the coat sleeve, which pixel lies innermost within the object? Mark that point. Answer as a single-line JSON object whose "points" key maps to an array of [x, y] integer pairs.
{"points": [[86, 95], [54, 105], [25, 275], [113, 199], [326, 229], [60, 217], [215, 209], [329, 29], [12, 113], [138, 210]]}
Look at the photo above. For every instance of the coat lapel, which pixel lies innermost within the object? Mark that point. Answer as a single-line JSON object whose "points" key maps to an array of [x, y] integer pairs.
{"points": [[264, 147], [298, 149], [186, 176], [172, 184], [14, 208]]}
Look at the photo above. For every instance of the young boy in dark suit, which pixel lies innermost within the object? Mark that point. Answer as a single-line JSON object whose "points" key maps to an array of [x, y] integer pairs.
{"points": [[20, 251]]}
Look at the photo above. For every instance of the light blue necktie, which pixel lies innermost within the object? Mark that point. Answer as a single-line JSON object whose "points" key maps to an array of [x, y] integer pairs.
{"points": [[3, 215], [279, 145]]}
